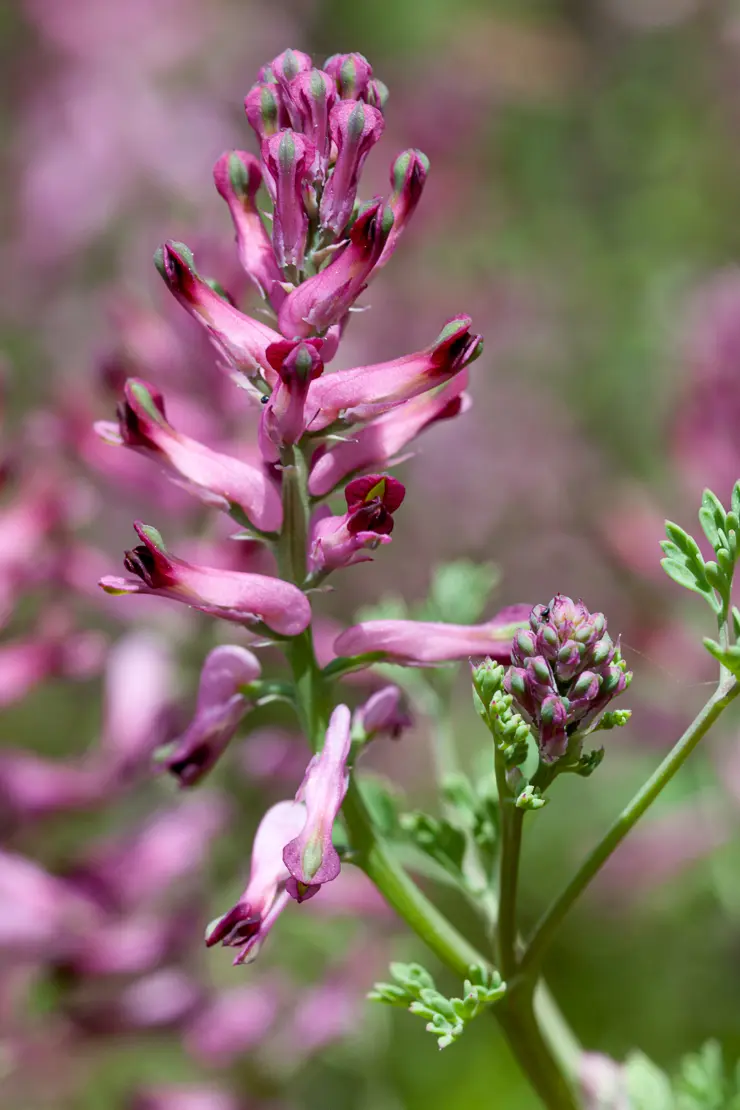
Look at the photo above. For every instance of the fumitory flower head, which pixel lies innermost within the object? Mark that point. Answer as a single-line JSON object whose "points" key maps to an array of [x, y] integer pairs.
{"points": [[311, 857], [289, 160], [248, 922], [355, 128], [217, 479], [220, 707], [238, 176], [368, 522], [565, 670], [255, 599], [325, 298]]}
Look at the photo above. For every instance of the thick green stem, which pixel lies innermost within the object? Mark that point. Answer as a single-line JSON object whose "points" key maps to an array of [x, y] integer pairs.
{"points": [[523, 1033], [293, 541], [543, 1045], [511, 843], [642, 800]]}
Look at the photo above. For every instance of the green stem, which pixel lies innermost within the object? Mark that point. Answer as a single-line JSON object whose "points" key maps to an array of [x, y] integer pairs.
{"points": [[543, 1045], [511, 845], [292, 544], [644, 798]]}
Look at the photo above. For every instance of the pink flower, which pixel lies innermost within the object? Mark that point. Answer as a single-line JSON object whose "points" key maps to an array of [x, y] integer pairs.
{"points": [[352, 73], [380, 442], [312, 96], [233, 1023], [368, 391], [408, 176], [238, 177], [284, 417], [266, 110], [241, 340], [248, 922], [310, 857], [139, 696], [288, 159], [355, 129], [193, 1097], [216, 479], [324, 299], [233, 595], [384, 713], [220, 707], [340, 541], [426, 643], [287, 65]]}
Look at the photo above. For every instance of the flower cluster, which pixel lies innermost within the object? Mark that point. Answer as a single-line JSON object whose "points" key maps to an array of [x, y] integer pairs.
{"points": [[308, 258], [566, 669]]}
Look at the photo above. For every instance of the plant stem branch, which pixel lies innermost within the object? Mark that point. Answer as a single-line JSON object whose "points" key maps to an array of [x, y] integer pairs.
{"points": [[642, 800]]}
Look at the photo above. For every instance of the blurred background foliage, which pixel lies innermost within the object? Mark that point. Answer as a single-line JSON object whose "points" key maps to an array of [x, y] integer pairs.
{"points": [[583, 198]]}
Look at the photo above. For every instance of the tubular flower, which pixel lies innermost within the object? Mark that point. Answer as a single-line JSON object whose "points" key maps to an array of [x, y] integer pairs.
{"points": [[285, 67], [426, 643], [385, 713], [368, 391], [246, 925], [408, 177], [288, 159], [565, 670], [352, 74], [234, 595], [310, 857], [355, 129], [238, 176], [220, 707], [266, 110], [381, 441], [284, 417], [312, 95], [326, 297], [215, 478], [368, 522], [241, 340]]}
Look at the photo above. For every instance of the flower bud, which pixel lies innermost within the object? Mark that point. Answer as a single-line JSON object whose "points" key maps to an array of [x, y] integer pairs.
{"points": [[288, 158], [266, 111], [238, 177], [285, 67], [355, 128], [352, 73], [566, 671], [313, 95]]}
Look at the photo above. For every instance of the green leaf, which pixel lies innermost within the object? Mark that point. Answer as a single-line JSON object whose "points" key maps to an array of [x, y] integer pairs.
{"points": [[647, 1086], [436, 838], [459, 591], [383, 800], [711, 516], [728, 657]]}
